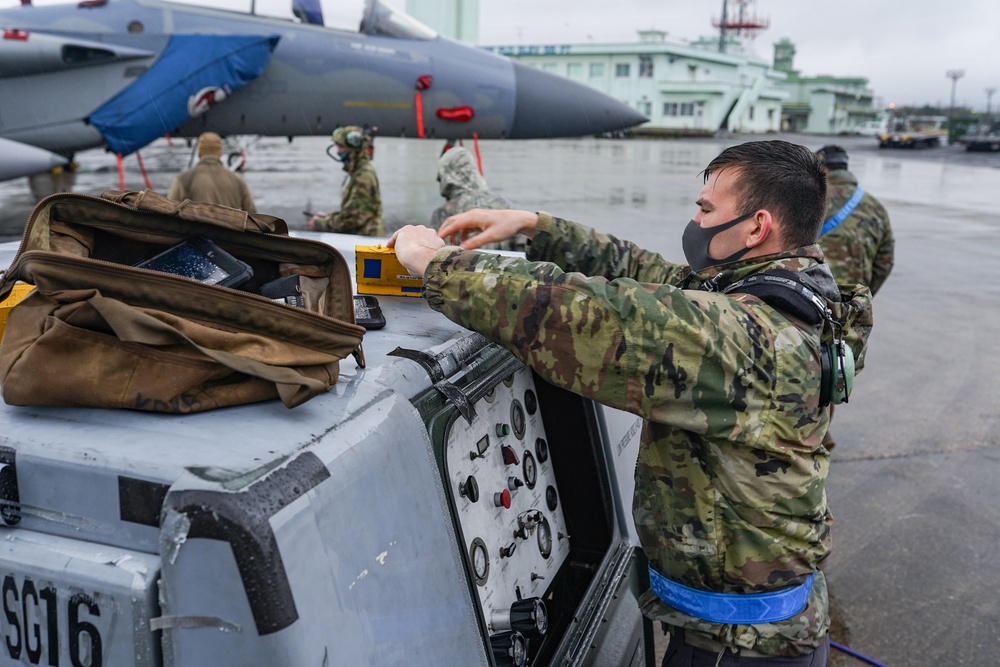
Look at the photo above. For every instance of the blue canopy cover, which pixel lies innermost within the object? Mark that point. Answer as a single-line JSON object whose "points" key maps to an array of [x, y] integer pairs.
{"points": [[193, 73]]}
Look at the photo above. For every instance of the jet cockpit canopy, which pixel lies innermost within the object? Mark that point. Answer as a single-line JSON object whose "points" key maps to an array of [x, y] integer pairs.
{"points": [[383, 19]]}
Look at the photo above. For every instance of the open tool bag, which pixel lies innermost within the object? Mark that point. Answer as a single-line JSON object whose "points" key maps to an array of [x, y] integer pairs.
{"points": [[98, 331]]}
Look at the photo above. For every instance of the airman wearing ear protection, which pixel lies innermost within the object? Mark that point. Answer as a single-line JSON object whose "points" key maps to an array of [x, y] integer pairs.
{"points": [[733, 384], [361, 203]]}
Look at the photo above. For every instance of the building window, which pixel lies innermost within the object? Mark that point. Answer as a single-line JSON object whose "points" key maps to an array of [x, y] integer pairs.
{"points": [[645, 107], [687, 109], [750, 113], [645, 67], [550, 67], [574, 70], [621, 70], [670, 108], [596, 70]]}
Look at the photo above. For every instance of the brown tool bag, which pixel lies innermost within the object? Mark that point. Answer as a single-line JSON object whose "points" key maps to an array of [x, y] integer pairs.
{"points": [[97, 331]]}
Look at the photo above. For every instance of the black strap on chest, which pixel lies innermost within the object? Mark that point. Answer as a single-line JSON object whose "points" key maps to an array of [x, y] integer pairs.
{"points": [[783, 290]]}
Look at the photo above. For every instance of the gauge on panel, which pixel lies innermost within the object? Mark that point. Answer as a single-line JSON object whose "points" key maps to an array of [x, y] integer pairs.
{"points": [[480, 561], [544, 538], [542, 450], [509, 380], [530, 402], [517, 418], [529, 469], [551, 498]]}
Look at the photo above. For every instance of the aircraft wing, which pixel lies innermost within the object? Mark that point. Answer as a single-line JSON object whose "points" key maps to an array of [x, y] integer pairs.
{"points": [[194, 73]]}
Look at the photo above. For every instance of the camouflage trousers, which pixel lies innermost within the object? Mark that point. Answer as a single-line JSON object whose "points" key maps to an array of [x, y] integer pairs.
{"points": [[828, 440], [680, 653]]}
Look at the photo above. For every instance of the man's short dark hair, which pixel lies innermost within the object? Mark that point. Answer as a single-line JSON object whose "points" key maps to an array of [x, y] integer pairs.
{"points": [[832, 157], [783, 178]]}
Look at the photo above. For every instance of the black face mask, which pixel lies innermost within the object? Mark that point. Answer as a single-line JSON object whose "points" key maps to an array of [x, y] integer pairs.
{"points": [[697, 238]]}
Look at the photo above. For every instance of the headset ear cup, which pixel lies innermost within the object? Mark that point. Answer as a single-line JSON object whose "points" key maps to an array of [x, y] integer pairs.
{"points": [[845, 373], [353, 139], [828, 378]]}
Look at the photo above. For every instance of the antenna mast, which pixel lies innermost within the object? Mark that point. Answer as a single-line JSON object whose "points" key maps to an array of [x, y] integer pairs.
{"points": [[745, 23]]}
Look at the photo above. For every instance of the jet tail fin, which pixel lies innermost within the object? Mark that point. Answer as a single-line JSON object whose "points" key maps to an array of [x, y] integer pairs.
{"points": [[308, 11]]}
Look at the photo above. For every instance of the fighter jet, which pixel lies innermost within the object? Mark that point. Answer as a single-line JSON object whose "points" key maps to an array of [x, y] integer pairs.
{"points": [[120, 73]]}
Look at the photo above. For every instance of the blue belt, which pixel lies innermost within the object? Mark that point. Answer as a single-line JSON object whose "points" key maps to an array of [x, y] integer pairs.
{"points": [[737, 608]]}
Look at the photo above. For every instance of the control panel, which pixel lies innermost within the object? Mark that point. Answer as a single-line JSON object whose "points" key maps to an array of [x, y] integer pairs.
{"points": [[509, 508]]}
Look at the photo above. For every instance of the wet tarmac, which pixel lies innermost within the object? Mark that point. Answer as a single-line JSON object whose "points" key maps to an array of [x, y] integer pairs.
{"points": [[917, 532]]}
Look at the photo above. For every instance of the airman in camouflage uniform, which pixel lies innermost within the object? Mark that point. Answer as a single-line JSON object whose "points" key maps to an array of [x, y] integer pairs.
{"points": [[361, 204], [730, 482], [465, 189], [860, 250], [463, 186]]}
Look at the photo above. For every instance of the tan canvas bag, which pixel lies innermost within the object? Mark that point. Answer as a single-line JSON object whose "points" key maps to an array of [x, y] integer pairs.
{"points": [[97, 331]]}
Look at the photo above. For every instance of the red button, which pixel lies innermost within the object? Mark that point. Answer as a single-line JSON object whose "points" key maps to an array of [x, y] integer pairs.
{"points": [[502, 499]]}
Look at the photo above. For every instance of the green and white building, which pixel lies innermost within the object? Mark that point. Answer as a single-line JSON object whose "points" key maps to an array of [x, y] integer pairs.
{"points": [[681, 88], [822, 104]]}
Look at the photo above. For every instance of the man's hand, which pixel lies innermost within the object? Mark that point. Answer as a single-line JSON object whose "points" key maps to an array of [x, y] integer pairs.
{"points": [[415, 246], [492, 226], [311, 223]]}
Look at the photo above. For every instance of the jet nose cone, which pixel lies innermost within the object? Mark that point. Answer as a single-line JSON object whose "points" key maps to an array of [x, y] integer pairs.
{"points": [[552, 106]]}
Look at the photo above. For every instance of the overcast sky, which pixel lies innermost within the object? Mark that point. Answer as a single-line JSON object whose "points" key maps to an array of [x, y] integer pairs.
{"points": [[903, 48]]}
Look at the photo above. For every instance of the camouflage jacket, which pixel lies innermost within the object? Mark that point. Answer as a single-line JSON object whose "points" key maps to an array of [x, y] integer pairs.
{"points": [[211, 181], [730, 482], [361, 204], [860, 249], [460, 182]]}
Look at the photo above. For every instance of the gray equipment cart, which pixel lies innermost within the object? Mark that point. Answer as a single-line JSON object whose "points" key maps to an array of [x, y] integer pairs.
{"points": [[442, 507]]}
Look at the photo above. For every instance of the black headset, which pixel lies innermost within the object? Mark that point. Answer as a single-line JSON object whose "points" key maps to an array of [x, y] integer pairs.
{"points": [[783, 290]]}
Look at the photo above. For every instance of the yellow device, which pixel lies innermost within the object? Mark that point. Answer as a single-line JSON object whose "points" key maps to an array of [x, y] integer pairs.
{"points": [[379, 272], [19, 292]]}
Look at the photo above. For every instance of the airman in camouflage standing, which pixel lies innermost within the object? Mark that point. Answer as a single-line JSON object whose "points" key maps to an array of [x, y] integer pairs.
{"points": [[464, 188], [860, 247], [730, 502], [460, 182], [856, 237], [361, 203]]}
